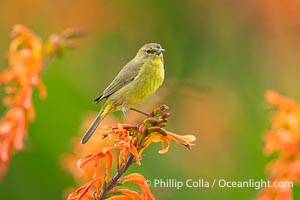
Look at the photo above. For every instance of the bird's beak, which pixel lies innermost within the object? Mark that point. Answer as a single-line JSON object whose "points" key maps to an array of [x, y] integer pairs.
{"points": [[161, 50]]}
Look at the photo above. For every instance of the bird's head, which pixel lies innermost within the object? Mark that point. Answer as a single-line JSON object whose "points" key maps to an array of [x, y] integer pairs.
{"points": [[150, 51]]}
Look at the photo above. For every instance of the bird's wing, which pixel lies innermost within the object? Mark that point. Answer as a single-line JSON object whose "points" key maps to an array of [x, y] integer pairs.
{"points": [[125, 76]]}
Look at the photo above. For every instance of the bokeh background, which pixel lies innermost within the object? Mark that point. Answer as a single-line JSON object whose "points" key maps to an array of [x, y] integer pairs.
{"points": [[221, 56]]}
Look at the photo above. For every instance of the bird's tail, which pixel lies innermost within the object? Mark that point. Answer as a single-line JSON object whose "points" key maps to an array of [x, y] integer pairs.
{"points": [[91, 129], [101, 115]]}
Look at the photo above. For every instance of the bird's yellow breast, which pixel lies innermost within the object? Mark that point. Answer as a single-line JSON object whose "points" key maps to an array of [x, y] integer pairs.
{"points": [[152, 75]]}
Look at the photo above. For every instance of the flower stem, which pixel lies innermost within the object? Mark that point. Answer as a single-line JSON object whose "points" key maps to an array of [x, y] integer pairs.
{"points": [[115, 179]]}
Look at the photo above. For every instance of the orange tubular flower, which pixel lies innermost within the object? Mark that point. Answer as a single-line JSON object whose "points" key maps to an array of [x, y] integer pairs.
{"points": [[26, 59], [139, 180], [107, 157], [82, 192], [158, 137], [130, 141], [130, 194], [283, 138], [119, 197]]}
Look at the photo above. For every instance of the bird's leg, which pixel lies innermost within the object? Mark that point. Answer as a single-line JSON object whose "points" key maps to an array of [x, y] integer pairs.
{"points": [[124, 113], [139, 111]]}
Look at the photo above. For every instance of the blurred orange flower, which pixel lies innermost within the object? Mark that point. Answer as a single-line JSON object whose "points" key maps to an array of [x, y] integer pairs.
{"points": [[283, 138], [129, 141], [26, 57]]}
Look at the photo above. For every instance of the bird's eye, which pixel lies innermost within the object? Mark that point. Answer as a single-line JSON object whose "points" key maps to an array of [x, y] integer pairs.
{"points": [[148, 51]]}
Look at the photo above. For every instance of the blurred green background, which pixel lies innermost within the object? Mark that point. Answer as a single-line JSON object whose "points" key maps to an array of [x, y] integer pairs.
{"points": [[221, 56]]}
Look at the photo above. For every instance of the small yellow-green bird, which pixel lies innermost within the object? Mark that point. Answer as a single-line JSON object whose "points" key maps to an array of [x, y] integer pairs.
{"points": [[139, 78]]}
